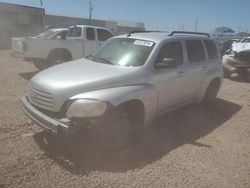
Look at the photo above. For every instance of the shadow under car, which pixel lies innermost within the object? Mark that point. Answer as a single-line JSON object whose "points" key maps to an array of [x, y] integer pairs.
{"points": [[168, 132]]}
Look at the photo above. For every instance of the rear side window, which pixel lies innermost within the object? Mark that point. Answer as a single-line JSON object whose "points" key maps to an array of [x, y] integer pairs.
{"points": [[103, 34], [195, 51], [90, 33], [74, 32], [211, 49]]}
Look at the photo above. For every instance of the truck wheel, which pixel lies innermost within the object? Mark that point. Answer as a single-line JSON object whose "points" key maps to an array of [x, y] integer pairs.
{"points": [[211, 92], [40, 65], [243, 73], [227, 73], [58, 57]]}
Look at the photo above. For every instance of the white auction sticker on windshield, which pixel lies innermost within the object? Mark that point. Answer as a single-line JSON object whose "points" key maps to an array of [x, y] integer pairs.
{"points": [[143, 43]]}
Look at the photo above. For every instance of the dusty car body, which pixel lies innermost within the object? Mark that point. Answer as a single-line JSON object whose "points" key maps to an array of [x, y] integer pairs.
{"points": [[237, 59], [144, 74]]}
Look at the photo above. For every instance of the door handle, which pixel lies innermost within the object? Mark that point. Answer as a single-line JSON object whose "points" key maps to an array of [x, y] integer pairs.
{"points": [[181, 74]]}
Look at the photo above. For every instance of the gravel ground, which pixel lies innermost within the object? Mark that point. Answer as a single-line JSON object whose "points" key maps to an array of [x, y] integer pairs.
{"points": [[191, 147]]}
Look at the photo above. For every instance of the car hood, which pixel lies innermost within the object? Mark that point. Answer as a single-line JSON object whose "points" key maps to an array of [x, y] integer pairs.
{"points": [[66, 80], [239, 47]]}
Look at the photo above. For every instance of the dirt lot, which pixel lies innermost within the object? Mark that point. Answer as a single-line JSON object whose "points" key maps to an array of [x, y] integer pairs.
{"points": [[191, 147]]}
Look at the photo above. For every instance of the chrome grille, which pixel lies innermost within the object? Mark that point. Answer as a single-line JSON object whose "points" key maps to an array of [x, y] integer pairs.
{"points": [[41, 99]]}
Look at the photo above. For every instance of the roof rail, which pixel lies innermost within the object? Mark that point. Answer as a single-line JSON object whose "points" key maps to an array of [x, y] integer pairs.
{"points": [[140, 32], [188, 32]]}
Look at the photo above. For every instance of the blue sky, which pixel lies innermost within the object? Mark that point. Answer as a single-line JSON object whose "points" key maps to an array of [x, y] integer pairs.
{"points": [[158, 14]]}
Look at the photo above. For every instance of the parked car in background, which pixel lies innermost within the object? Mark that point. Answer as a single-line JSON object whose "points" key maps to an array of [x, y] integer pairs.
{"points": [[18, 44], [128, 82], [82, 40], [245, 40], [226, 45], [237, 59]]}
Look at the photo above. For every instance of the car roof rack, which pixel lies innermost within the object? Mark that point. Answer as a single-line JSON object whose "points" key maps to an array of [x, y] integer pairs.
{"points": [[188, 32], [140, 32]]}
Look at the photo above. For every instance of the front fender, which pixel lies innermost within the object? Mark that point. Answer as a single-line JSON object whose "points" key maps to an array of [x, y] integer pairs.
{"points": [[145, 93]]}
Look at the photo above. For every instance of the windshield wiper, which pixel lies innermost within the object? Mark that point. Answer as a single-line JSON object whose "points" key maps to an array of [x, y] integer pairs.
{"points": [[100, 60]]}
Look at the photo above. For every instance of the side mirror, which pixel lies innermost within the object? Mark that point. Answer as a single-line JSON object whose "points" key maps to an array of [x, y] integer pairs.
{"points": [[167, 63], [59, 38]]}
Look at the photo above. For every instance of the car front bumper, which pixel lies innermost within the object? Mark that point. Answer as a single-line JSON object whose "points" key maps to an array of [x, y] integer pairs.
{"points": [[52, 125]]}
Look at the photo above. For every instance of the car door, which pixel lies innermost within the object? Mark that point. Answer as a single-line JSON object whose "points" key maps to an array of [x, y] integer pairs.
{"points": [[90, 42], [74, 43], [197, 66], [170, 82]]}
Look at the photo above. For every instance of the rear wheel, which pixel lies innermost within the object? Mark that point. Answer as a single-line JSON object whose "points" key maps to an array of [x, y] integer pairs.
{"points": [[211, 92]]}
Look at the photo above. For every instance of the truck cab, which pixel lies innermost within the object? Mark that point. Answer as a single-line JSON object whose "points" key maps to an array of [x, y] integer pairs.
{"points": [[81, 41]]}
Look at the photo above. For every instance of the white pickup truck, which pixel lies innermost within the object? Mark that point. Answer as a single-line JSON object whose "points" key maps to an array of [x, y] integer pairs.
{"points": [[17, 43], [82, 40]]}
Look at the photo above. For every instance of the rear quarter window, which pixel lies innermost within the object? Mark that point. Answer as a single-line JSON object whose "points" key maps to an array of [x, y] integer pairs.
{"points": [[195, 51], [211, 49]]}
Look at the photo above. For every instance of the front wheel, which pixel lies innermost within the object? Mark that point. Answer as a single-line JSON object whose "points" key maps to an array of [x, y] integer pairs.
{"points": [[58, 57], [40, 65], [227, 73], [116, 131], [243, 72]]}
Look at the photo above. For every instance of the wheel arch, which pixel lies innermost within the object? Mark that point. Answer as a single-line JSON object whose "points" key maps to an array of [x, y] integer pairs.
{"points": [[59, 51], [142, 96], [135, 107], [216, 80]]}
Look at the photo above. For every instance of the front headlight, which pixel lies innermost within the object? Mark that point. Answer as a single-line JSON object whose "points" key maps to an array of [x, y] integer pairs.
{"points": [[86, 108]]}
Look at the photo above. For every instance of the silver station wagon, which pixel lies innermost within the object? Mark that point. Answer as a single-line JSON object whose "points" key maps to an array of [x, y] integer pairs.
{"points": [[129, 81]]}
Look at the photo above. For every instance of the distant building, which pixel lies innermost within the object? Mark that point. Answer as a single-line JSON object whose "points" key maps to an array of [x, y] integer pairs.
{"points": [[22, 21], [18, 21], [116, 26]]}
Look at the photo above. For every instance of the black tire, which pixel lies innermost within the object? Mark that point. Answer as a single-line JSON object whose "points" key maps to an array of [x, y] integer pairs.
{"points": [[211, 92], [243, 73], [58, 57], [117, 131], [227, 73], [40, 65]]}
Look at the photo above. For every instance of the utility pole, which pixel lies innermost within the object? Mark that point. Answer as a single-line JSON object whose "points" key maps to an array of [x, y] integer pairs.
{"points": [[41, 3], [90, 11], [196, 24]]}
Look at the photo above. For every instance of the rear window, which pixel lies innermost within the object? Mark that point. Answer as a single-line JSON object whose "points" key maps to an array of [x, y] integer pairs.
{"points": [[195, 51], [103, 34], [211, 49]]}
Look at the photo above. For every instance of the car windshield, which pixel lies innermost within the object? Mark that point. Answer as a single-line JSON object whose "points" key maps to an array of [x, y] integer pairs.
{"points": [[124, 52], [45, 34]]}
